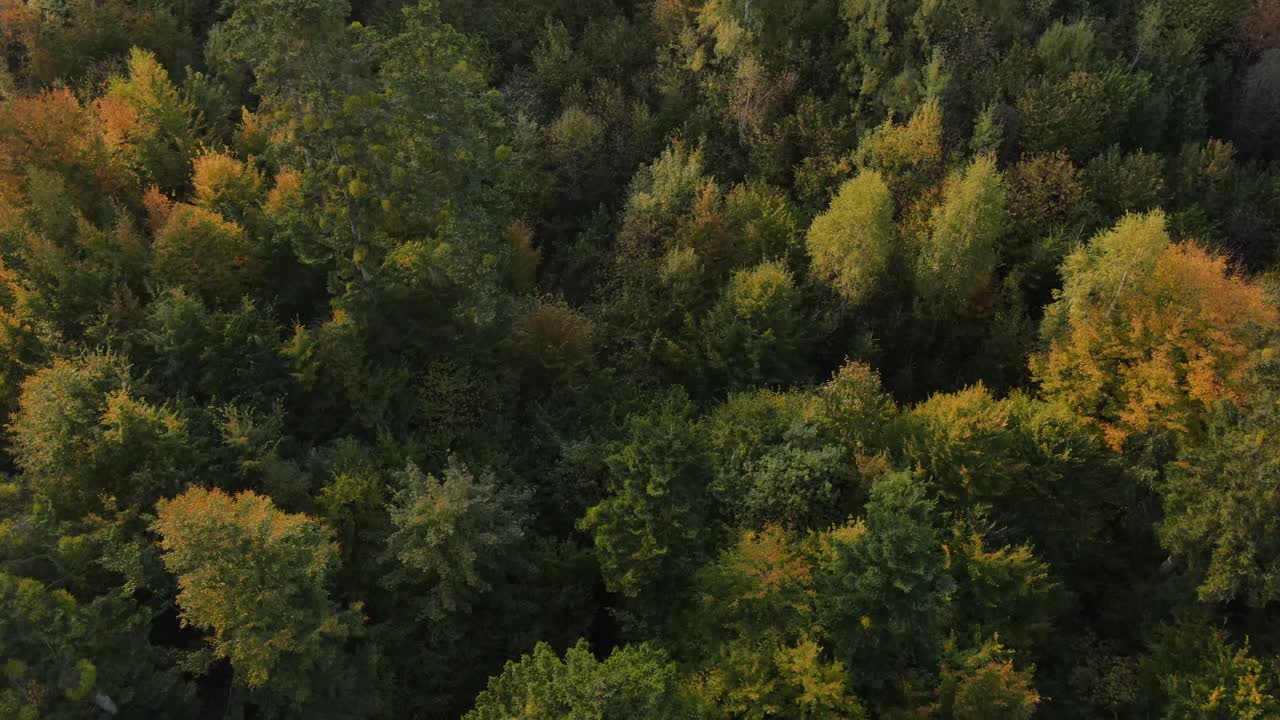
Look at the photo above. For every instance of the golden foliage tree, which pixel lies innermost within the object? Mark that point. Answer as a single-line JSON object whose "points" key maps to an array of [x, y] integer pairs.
{"points": [[208, 254], [255, 577], [1148, 334]]}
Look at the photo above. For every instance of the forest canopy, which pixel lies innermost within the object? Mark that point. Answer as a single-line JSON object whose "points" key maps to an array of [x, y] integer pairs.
{"points": [[640, 359]]}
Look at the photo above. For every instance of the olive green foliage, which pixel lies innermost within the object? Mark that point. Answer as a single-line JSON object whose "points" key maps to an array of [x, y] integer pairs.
{"points": [[449, 538], [753, 330], [633, 681], [651, 526], [826, 359], [80, 433], [254, 577]]}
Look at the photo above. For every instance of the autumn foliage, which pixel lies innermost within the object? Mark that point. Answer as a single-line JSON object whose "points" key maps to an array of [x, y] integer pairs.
{"points": [[1149, 334]]}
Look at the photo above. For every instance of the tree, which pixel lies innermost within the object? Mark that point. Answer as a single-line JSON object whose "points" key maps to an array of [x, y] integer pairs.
{"points": [[751, 630], [959, 253], [908, 156], [1205, 676], [882, 588], [1220, 504], [636, 681], [71, 42], [859, 413], [982, 683], [256, 577], [966, 443], [852, 243], [1069, 113], [755, 682], [650, 531], [1048, 204], [290, 46], [1147, 335], [225, 185], [449, 539], [1063, 49], [19, 346], [554, 342], [65, 659], [204, 252], [1122, 183], [1006, 592], [752, 333], [52, 131], [212, 355], [455, 548], [82, 431], [151, 118], [766, 222]]}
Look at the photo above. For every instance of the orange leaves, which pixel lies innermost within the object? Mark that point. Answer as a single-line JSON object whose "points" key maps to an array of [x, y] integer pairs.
{"points": [[150, 120], [1149, 334], [16, 19], [768, 562], [45, 129], [52, 131], [221, 180], [200, 508], [118, 119], [158, 207], [287, 189]]}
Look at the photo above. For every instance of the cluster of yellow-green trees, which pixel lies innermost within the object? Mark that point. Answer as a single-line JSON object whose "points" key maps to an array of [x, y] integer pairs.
{"points": [[627, 359]]}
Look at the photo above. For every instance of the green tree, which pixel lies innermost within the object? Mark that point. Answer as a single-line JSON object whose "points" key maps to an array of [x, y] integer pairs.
{"points": [[1006, 592], [966, 443], [65, 659], [883, 594], [1205, 676], [1069, 113], [636, 681], [449, 539], [651, 531], [1220, 505]]}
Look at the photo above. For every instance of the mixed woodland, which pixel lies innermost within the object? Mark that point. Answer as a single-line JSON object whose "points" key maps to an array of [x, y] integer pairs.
{"points": [[640, 359]]}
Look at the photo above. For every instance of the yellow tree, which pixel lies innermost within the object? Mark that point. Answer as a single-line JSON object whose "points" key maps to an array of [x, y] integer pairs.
{"points": [[1147, 334], [851, 244], [960, 250], [150, 118], [225, 185], [204, 252], [255, 577]]}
